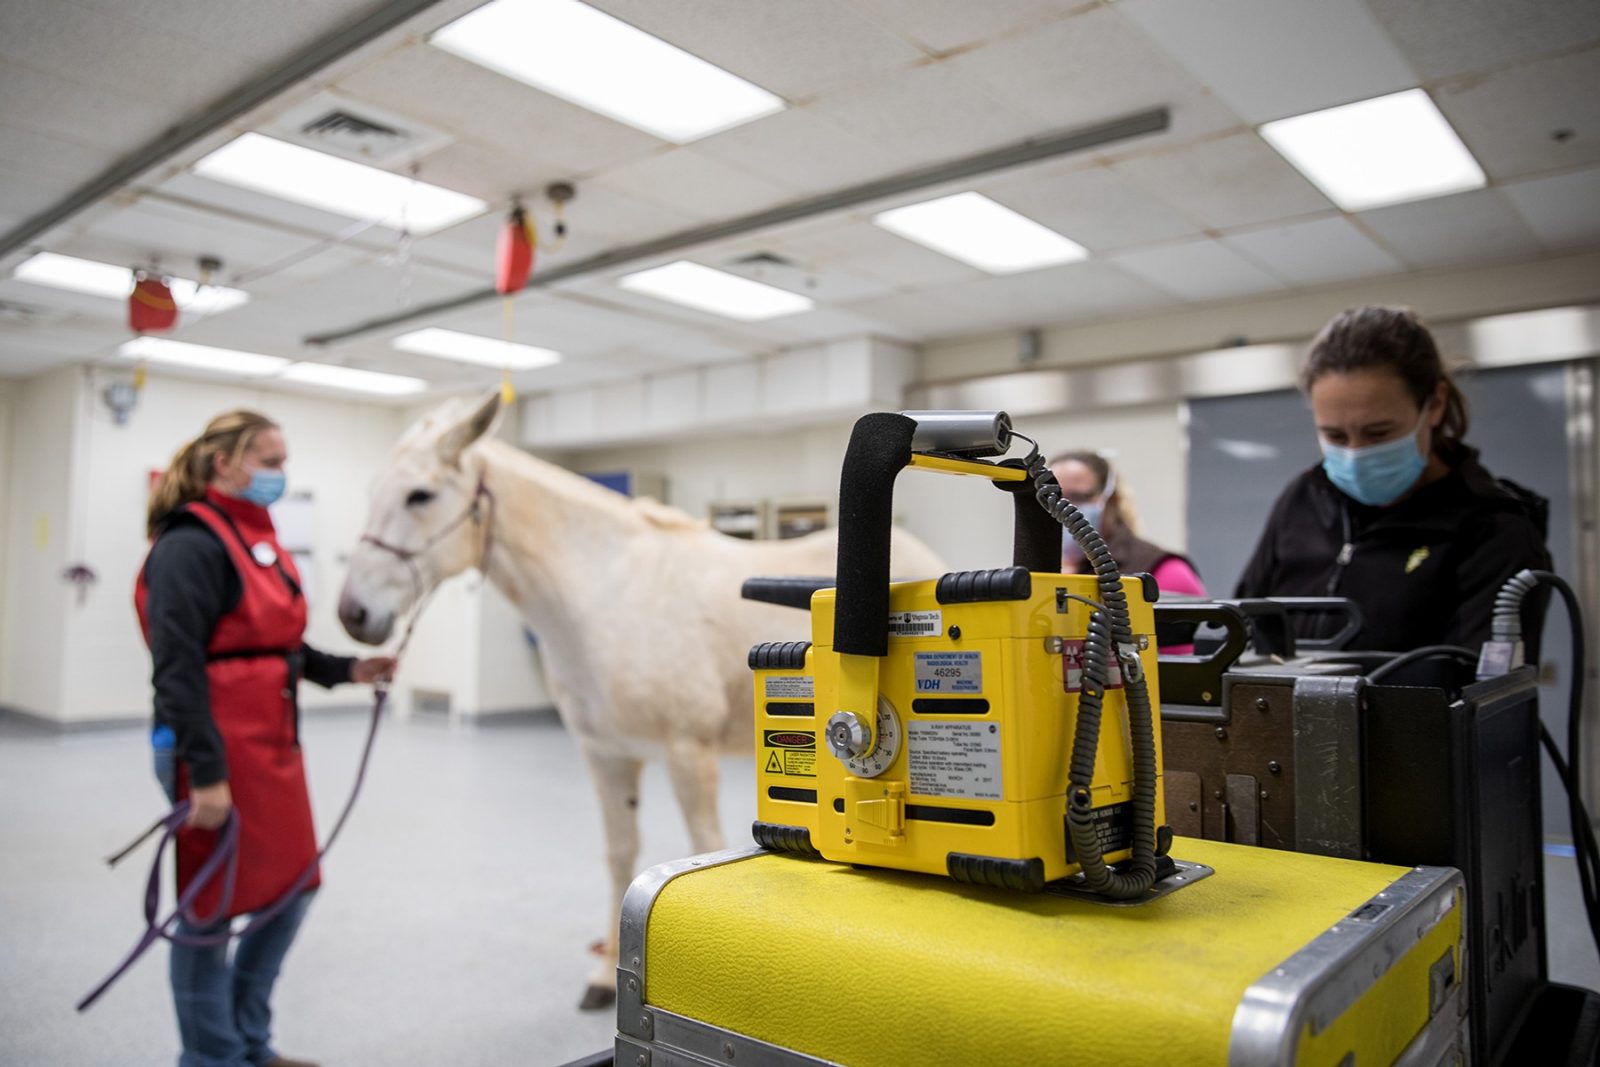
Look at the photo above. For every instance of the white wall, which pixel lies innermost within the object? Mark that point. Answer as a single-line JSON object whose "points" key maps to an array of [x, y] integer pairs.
{"points": [[75, 659], [789, 466], [7, 393], [967, 521], [36, 528]]}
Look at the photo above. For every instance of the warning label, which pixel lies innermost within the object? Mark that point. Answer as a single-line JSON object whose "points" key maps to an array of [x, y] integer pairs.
{"points": [[1072, 667], [1114, 826], [949, 672], [790, 687], [954, 759], [789, 752], [915, 623]]}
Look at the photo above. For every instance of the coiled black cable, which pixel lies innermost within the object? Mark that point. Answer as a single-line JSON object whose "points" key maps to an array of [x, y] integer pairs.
{"points": [[1506, 625], [1110, 631]]}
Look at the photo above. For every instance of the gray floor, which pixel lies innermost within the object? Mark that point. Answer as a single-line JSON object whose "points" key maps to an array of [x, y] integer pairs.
{"points": [[453, 926]]}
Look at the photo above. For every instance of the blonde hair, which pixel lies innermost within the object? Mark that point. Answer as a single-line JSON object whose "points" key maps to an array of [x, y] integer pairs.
{"points": [[186, 477]]}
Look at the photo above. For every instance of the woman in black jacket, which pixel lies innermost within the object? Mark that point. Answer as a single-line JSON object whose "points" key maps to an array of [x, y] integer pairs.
{"points": [[1400, 516]]}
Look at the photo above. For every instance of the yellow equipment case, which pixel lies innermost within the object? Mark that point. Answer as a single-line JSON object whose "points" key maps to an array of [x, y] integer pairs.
{"points": [[753, 958], [977, 756]]}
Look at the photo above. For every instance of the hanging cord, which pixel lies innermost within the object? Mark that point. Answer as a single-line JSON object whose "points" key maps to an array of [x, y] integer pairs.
{"points": [[1110, 639], [224, 858], [1503, 652]]}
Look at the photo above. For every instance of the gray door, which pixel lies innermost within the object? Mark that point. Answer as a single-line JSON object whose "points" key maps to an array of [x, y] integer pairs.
{"points": [[1244, 449]]}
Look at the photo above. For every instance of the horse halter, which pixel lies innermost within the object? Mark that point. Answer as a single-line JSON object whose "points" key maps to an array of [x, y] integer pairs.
{"points": [[409, 556]]}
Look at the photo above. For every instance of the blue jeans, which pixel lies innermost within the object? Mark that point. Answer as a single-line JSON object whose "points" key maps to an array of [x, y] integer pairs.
{"points": [[224, 1007]]}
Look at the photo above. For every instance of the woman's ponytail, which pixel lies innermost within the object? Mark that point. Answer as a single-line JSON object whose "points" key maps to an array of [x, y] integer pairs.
{"points": [[186, 477]]}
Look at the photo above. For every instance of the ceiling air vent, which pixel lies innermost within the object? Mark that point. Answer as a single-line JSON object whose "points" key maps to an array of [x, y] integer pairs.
{"points": [[350, 134], [355, 129]]}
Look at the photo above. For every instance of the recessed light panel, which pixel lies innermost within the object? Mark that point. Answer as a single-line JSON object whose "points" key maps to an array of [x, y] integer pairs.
{"points": [[357, 381], [355, 190], [976, 230], [718, 292], [601, 63], [114, 282], [202, 357], [473, 348], [1386, 150]]}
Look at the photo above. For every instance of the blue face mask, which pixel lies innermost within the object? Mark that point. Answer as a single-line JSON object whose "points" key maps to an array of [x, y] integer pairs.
{"points": [[1376, 475], [265, 487]]}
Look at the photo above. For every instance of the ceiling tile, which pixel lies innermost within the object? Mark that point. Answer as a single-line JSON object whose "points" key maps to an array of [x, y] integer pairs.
{"points": [[1315, 252], [801, 150], [693, 184], [1508, 118], [1075, 72], [1452, 230], [177, 235], [872, 252], [1197, 270], [477, 104], [927, 114], [1077, 291], [945, 25], [794, 50], [1091, 205], [1230, 181], [1322, 52], [73, 109], [1442, 38], [823, 324], [1564, 211]]}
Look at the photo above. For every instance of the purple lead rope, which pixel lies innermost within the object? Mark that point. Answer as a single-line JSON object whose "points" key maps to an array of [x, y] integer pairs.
{"points": [[225, 858]]}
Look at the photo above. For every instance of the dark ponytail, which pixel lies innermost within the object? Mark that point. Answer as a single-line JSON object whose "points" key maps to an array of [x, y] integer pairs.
{"points": [[1393, 339]]}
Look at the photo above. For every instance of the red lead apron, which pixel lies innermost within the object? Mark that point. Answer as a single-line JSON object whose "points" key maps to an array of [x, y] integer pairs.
{"points": [[249, 667]]}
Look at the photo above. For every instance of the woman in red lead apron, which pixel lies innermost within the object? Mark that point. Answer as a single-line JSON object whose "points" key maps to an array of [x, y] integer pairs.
{"points": [[222, 611]]}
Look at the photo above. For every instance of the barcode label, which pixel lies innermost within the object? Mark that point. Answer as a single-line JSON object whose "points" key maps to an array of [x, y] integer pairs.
{"points": [[915, 623]]}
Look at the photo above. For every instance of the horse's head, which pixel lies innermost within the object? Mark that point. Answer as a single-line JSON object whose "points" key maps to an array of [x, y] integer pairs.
{"points": [[428, 518]]}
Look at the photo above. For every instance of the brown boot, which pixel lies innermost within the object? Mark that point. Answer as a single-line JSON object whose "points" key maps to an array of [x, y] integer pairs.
{"points": [[284, 1061]]}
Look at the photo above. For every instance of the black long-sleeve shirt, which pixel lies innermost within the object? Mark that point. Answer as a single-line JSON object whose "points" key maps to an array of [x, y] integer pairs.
{"points": [[1424, 571], [190, 584]]}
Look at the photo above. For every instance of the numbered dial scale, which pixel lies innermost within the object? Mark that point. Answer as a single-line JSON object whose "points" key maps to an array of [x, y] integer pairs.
{"points": [[849, 740]]}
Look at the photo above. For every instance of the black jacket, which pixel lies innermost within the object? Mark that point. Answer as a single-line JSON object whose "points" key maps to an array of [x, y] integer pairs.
{"points": [[1424, 571], [191, 584]]}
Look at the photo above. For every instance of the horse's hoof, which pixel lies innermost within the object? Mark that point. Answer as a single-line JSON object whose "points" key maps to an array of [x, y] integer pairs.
{"points": [[597, 998]]}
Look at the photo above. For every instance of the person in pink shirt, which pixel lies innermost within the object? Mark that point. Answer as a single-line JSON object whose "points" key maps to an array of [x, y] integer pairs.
{"points": [[1088, 480]]}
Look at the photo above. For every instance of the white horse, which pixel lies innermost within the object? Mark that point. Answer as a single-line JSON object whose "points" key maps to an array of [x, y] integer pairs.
{"points": [[643, 635]]}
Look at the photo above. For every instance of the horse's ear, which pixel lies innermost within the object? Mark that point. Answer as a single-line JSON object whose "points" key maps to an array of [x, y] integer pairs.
{"points": [[458, 438]]}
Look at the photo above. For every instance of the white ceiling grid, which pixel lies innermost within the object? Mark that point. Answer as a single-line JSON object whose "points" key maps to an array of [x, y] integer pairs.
{"points": [[1201, 213]]}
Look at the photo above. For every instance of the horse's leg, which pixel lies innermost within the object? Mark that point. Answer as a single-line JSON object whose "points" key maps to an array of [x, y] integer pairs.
{"points": [[616, 780], [692, 765]]}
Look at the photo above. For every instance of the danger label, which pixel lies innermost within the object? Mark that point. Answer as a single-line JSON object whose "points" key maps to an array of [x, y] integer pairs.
{"points": [[789, 752], [790, 687], [915, 623], [954, 759], [1072, 667], [949, 672]]}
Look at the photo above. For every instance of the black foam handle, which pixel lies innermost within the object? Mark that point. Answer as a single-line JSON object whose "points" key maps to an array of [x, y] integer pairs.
{"points": [[880, 448], [1035, 535]]}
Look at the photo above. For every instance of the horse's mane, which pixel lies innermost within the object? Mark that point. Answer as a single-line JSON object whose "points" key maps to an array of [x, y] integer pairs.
{"points": [[662, 516]]}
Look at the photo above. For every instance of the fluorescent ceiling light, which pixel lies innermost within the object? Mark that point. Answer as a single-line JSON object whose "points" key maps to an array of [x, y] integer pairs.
{"points": [[603, 64], [316, 179], [1386, 150], [202, 357], [110, 280], [358, 381], [976, 230], [716, 291], [472, 348]]}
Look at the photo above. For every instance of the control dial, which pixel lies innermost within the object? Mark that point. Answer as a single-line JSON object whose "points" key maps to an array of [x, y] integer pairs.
{"points": [[850, 739]]}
